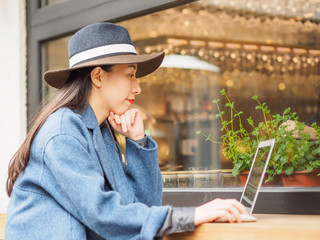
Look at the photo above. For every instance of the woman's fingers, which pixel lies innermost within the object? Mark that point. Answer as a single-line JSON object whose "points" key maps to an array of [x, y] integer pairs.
{"points": [[114, 120], [132, 115], [241, 208], [229, 217], [233, 211], [229, 209], [127, 117], [236, 209], [129, 124], [117, 118], [124, 121], [111, 119]]}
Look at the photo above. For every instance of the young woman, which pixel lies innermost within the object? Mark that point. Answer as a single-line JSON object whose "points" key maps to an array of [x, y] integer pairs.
{"points": [[68, 179]]}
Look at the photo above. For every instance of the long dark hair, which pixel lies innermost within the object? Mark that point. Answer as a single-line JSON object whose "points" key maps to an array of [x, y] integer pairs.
{"points": [[74, 95]]}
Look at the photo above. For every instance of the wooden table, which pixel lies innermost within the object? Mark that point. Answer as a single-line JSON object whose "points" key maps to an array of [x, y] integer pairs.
{"points": [[268, 227], [2, 225]]}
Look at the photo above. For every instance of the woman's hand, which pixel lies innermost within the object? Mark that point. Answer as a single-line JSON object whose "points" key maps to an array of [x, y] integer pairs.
{"points": [[218, 208], [129, 124]]}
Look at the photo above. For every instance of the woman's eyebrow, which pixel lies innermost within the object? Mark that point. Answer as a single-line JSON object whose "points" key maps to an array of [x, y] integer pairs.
{"points": [[133, 66]]}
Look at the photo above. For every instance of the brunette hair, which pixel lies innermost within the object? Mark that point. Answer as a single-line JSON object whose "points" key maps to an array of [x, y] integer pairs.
{"points": [[74, 95]]}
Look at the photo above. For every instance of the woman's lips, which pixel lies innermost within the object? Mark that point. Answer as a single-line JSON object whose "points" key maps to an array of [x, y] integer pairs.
{"points": [[130, 101]]}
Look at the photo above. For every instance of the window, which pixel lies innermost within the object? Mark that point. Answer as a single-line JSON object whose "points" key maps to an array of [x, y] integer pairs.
{"points": [[209, 48], [245, 47]]}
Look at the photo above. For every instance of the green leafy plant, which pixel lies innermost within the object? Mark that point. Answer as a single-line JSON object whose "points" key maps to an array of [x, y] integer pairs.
{"points": [[289, 153]]}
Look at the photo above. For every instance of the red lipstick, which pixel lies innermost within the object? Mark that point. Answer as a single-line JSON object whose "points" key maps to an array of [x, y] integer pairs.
{"points": [[130, 101]]}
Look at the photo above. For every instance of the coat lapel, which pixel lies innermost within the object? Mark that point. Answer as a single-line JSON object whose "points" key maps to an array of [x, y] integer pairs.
{"points": [[103, 157], [109, 155], [113, 156]]}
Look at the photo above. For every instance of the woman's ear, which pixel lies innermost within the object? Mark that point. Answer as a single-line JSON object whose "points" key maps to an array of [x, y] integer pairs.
{"points": [[96, 74]]}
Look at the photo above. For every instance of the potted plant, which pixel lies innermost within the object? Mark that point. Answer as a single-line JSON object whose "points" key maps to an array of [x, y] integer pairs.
{"points": [[291, 154]]}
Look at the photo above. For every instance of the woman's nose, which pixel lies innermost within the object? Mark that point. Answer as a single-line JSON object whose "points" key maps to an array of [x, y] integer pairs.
{"points": [[136, 89]]}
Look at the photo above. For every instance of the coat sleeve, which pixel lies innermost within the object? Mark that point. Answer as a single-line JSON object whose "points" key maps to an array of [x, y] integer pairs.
{"points": [[143, 161], [79, 188]]}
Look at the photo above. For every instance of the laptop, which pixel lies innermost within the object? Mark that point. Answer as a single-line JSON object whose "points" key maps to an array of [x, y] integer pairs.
{"points": [[255, 179]]}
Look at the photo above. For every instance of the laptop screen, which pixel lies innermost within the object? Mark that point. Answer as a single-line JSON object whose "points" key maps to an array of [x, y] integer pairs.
{"points": [[256, 174]]}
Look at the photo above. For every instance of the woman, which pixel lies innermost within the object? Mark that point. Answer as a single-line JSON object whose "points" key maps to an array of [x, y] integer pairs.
{"points": [[68, 180]]}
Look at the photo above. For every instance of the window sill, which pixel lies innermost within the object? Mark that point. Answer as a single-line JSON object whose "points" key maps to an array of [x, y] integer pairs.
{"points": [[277, 200]]}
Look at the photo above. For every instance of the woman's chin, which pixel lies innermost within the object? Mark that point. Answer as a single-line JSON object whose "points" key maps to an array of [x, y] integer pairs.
{"points": [[120, 111]]}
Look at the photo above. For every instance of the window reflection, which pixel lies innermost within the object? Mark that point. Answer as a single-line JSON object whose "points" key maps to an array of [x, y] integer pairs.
{"points": [[212, 45], [44, 3], [55, 56], [264, 52]]}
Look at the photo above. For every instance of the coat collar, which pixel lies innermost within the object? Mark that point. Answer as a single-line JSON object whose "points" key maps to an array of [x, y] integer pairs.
{"points": [[89, 118]]}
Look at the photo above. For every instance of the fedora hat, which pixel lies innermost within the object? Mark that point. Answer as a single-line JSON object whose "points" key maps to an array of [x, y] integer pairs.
{"points": [[102, 44]]}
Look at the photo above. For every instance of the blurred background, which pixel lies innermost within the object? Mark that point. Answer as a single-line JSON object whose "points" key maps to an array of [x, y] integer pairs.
{"points": [[247, 47]]}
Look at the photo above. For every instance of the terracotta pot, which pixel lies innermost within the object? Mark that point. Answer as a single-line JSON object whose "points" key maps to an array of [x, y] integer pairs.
{"points": [[301, 179], [277, 181]]}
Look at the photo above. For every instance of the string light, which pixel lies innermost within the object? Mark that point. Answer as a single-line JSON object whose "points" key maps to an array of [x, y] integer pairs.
{"points": [[291, 8]]}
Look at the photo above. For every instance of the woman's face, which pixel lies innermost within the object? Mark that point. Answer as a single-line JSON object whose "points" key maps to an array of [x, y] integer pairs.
{"points": [[119, 87]]}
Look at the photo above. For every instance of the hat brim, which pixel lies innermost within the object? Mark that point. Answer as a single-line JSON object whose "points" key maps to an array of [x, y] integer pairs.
{"points": [[146, 63]]}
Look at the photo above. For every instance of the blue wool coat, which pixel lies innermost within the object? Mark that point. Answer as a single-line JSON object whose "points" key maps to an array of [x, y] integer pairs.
{"points": [[76, 186]]}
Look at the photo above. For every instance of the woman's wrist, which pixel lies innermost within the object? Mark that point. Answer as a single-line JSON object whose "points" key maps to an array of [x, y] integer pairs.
{"points": [[138, 137], [141, 141], [197, 219]]}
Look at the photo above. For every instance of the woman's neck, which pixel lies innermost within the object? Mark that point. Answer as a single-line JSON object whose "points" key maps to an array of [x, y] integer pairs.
{"points": [[101, 112]]}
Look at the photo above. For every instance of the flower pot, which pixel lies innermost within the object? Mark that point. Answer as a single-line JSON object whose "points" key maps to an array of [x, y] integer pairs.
{"points": [[277, 181], [301, 179]]}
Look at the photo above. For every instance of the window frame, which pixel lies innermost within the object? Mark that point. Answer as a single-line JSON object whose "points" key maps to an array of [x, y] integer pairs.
{"points": [[62, 19]]}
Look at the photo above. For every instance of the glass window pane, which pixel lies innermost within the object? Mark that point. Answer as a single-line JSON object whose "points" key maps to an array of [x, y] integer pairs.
{"points": [[55, 56], [247, 48]]}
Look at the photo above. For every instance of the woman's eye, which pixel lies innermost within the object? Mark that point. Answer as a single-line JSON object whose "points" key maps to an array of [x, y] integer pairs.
{"points": [[131, 75]]}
